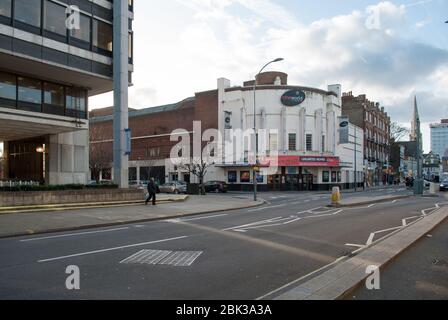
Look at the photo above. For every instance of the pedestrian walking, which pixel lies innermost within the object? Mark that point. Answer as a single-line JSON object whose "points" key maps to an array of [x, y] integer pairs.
{"points": [[152, 190]]}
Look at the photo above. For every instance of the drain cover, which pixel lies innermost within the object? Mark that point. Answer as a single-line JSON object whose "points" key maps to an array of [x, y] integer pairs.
{"points": [[163, 257]]}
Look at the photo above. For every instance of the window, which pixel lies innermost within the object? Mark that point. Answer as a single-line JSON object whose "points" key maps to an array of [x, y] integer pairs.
{"points": [[5, 8], [54, 94], [326, 176], [292, 144], [334, 176], [76, 103], [55, 17], [273, 142], [232, 176], [83, 33], [323, 144], [30, 90], [309, 142], [245, 177], [132, 174], [102, 35], [28, 11], [131, 43], [8, 86]]}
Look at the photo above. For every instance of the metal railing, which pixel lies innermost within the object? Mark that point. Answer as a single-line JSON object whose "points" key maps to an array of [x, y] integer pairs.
{"points": [[15, 183]]}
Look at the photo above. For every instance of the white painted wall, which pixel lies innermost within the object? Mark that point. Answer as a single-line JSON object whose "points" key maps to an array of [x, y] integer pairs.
{"points": [[69, 158]]}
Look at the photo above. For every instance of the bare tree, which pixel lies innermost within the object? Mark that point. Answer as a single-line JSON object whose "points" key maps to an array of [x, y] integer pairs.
{"points": [[398, 132], [100, 152], [199, 169]]}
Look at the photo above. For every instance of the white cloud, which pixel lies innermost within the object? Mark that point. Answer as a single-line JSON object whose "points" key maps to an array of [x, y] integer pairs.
{"points": [[195, 42]]}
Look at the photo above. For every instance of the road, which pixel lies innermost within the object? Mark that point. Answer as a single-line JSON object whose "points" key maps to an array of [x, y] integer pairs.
{"points": [[420, 273], [244, 254]]}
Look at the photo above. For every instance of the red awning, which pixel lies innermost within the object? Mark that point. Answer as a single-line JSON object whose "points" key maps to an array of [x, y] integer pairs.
{"points": [[301, 161]]}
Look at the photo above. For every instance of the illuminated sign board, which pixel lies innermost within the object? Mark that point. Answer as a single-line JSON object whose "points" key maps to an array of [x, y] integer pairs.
{"points": [[293, 98]]}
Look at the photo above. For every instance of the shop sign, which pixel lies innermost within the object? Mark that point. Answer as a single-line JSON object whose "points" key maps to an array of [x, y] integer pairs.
{"points": [[296, 161], [293, 98]]}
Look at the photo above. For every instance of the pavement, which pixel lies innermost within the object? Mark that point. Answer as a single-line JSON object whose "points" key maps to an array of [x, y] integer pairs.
{"points": [[16, 222], [419, 273], [250, 253], [162, 198]]}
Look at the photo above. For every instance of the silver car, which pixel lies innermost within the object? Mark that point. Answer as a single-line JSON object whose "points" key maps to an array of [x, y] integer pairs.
{"points": [[174, 187]]}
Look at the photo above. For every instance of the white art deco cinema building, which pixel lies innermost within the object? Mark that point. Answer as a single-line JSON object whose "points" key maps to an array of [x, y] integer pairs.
{"points": [[299, 137]]}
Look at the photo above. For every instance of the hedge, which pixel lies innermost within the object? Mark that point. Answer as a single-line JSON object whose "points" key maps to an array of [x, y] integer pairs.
{"points": [[67, 187]]}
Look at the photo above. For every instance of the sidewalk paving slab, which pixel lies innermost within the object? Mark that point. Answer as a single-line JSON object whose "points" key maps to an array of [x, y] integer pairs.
{"points": [[20, 224]]}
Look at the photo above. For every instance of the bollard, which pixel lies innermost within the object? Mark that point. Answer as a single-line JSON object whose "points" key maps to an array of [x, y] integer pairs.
{"points": [[335, 196]]}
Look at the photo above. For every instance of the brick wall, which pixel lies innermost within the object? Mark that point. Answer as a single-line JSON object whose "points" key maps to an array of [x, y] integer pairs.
{"points": [[204, 108]]}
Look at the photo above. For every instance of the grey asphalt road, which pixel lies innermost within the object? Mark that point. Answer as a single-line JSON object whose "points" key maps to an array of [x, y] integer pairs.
{"points": [[420, 273], [244, 254]]}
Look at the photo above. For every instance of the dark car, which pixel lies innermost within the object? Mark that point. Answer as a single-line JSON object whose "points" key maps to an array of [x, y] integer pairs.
{"points": [[216, 186], [444, 185]]}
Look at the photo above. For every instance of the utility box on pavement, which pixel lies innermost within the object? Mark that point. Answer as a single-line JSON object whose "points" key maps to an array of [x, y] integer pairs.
{"points": [[433, 187], [335, 196]]}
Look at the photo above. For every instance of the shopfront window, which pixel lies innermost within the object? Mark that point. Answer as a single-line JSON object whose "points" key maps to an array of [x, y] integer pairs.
{"points": [[30, 90], [5, 8], [28, 11], [326, 176], [102, 35], [245, 177], [8, 86], [55, 17], [232, 177], [334, 176]]}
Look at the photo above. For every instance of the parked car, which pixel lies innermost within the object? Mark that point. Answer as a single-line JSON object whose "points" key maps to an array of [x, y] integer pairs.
{"points": [[174, 187], [92, 183], [216, 186], [444, 185]]}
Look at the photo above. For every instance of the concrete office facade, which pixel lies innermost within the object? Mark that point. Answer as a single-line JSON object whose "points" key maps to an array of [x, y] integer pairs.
{"points": [[48, 69], [439, 138]]}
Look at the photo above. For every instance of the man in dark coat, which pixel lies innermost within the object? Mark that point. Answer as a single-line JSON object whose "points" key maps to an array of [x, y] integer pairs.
{"points": [[152, 190]]}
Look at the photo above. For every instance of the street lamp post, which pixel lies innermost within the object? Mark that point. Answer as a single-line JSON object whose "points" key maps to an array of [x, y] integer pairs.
{"points": [[257, 161]]}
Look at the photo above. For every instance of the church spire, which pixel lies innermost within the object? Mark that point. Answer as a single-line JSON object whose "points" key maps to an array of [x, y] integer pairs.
{"points": [[415, 121]]}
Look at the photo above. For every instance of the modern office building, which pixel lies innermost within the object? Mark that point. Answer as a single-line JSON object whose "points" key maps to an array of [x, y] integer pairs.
{"points": [[301, 126], [439, 138], [376, 125], [53, 56], [431, 166]]}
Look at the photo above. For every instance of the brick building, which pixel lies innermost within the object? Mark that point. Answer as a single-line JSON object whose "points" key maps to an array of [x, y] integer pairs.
{"points": [[376, 124], [151, 131]]}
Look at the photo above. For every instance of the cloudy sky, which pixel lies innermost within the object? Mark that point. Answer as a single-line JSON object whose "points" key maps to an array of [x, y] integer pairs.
{"points": [[389, 50]]}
